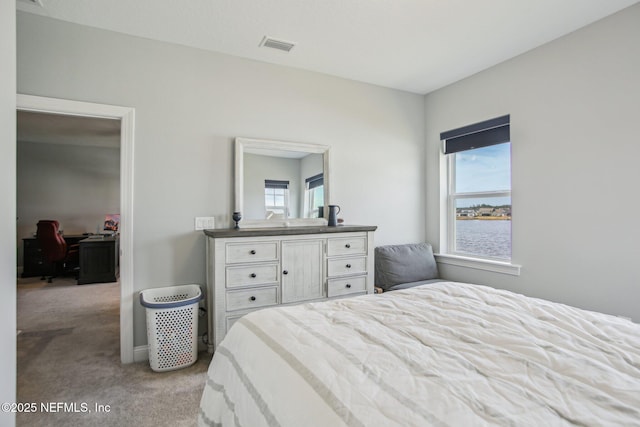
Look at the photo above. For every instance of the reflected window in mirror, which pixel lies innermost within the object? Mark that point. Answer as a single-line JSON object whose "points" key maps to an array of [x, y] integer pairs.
{"points": [[276, 188], [314, 195], [276, 199], [304, 166]]}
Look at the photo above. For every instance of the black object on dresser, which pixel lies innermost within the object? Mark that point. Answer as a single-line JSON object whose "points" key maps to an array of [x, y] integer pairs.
{"points": [[99, 260]]}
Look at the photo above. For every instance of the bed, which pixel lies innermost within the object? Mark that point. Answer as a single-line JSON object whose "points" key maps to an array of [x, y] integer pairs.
{"points": [[443, 354]]}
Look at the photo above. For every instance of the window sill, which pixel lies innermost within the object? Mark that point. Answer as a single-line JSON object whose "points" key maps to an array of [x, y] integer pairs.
{"points": [[479, 264]]}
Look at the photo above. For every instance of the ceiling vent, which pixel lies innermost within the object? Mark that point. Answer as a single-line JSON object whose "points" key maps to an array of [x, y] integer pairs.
{"points": [[277, 44]]}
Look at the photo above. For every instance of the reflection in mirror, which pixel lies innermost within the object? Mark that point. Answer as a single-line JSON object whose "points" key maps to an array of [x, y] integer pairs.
{"points": [[281, 183]]}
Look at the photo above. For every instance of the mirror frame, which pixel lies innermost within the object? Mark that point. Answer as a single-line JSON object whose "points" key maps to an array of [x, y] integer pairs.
{"points": [[242, 144]]}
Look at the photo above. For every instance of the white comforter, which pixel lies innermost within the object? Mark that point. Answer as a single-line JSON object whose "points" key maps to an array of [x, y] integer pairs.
{"points": [[442, 354]]}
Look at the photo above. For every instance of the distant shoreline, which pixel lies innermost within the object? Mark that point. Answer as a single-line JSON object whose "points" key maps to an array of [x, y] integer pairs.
{"points": [[483, 218]]}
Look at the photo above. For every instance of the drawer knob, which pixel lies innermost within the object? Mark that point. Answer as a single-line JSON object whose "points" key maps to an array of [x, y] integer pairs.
{"points": [[348, 245], [252, 275], [252, 298], [285, 272], [252, 251], [348, 285], [348, 265]]}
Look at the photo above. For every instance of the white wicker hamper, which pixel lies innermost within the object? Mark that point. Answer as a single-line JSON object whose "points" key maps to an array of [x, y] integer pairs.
{"points": [[172, 325]]}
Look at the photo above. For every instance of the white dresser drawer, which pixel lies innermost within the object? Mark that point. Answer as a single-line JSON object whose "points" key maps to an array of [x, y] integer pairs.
{"points": [[252, 298], [346, 266], [337, 246], [251, 252], [248, 275], [347, 286]]}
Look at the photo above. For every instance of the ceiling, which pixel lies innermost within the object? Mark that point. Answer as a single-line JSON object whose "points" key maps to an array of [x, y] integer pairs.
{"points": [[411, 45], [63, 129]]}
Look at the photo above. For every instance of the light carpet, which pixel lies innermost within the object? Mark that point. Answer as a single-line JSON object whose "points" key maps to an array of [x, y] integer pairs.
{"points": [[69, 363]]}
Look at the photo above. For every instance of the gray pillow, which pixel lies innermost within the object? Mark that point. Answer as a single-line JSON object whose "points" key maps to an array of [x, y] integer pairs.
{"points": [[398, 264], [414, 284]]}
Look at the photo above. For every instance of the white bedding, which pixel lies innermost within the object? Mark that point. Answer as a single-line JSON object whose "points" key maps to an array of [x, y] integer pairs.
{"points": [[441, 354]]}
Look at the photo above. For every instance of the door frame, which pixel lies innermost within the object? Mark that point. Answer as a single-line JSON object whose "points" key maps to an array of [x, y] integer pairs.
{"points": [[126, 115]]}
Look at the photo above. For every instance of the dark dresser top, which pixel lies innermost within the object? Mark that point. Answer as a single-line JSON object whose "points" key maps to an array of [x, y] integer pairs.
{"points": [[286, 231]]}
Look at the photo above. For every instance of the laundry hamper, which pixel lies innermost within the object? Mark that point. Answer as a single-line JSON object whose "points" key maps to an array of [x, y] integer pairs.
{"points": [[172, 325]]}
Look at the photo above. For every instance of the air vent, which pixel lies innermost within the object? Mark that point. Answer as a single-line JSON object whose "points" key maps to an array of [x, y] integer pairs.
{"points": [[277, 44]]}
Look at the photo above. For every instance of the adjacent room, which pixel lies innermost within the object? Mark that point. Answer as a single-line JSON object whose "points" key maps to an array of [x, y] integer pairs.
{"points": [[68, 170], [464, 208]]}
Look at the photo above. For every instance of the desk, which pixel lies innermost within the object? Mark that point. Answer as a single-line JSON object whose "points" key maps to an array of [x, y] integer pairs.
{"points": [[33, 263], [99, 260]]}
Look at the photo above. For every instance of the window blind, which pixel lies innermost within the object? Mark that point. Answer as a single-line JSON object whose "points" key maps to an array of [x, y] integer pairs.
{"points": [[315, 181], [483, 134], [272, 183]]}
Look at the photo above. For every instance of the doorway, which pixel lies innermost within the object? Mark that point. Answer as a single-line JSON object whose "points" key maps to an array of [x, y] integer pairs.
{"points": [[125, 115]]}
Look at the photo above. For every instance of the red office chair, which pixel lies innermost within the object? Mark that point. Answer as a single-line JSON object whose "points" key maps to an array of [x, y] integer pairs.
{"points": [[55, 250]]}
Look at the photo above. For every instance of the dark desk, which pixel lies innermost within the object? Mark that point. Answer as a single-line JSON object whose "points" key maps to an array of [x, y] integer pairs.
{"points": [[33, 262], [99, 260]]}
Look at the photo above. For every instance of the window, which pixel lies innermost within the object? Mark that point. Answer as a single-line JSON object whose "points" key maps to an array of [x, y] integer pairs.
{"points": [[276, 198], [314, 195], [478, 220]]}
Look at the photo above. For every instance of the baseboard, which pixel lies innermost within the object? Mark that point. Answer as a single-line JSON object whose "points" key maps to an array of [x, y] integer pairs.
{"points": [[141, 352]]}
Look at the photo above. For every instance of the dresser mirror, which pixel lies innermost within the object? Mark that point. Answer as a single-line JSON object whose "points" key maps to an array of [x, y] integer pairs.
{"points": [[281, 184]]}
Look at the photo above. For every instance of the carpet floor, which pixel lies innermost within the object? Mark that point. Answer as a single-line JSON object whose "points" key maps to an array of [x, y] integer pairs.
{"points": [[68, 351]]}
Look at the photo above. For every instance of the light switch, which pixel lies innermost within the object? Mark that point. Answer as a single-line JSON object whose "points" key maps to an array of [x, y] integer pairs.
{"points": [[204, 223]]}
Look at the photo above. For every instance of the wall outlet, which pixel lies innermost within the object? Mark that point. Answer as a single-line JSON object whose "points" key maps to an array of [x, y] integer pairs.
{"points": [[204, 223]]}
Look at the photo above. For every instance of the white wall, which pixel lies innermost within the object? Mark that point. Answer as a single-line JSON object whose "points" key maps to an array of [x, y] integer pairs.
{"points": [[77, 185], [191, 104], [574, 106], [8, 212]]}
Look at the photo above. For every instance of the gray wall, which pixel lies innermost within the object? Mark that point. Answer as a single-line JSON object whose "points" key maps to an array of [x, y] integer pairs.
{"points": [[574, 106], [8, 212], [77, 185], [190, 104]]}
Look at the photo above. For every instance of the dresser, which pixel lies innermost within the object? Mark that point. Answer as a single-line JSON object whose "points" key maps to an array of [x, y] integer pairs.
{"points": [[249, 269]]}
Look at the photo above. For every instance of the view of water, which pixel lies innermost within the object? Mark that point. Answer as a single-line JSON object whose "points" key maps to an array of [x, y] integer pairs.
{"points": [[484, 237]]}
